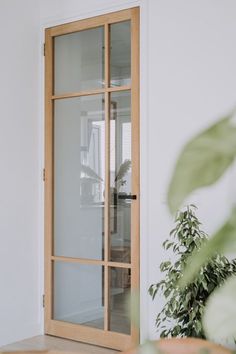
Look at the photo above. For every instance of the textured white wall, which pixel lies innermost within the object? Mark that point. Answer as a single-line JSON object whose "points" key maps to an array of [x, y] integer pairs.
{"points": [[20, 175]]}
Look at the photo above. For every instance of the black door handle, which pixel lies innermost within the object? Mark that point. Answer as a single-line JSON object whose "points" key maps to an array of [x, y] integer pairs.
{"points": [[127, 196]]}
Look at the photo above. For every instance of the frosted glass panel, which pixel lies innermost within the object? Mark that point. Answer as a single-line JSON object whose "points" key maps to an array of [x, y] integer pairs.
{"points": [[120, 176], [79, 61], [79, 174], [120, 63], [119, 294], [78, 294]]}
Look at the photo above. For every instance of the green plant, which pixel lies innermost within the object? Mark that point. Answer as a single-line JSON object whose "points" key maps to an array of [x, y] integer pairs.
{"points": [[202, 162], [181, 315]]}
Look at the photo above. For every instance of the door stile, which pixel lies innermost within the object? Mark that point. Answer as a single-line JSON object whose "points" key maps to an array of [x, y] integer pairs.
{"points": [[107, 179], [48, 175], [135, 208]]}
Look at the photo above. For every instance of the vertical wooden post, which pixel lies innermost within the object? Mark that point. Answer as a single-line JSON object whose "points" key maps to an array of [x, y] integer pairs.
{"points": [[107, 178]]}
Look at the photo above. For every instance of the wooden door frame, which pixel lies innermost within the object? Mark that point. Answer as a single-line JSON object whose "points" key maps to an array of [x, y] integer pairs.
{"points": [[63, 329]]}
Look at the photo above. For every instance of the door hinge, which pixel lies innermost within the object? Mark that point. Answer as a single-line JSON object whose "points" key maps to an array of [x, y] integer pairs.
{"points": [[43, 300], [44, 175], [44, 49]]}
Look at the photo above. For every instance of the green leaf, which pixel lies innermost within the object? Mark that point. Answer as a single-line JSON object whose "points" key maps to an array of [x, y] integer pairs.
{"points": [[169, 245], [165, 265], [222, 242], [164, 243], [219, 319], [203, 161]]}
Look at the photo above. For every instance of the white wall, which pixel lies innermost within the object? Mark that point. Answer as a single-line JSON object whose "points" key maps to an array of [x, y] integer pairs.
{"points": [[20, 175], [60, 10], [191, 71]]}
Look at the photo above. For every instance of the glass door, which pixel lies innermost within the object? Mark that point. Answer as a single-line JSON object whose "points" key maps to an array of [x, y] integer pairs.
{"points": [[92, 178]]}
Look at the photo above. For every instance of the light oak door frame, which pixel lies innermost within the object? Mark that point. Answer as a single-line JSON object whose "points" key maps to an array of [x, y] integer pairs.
{"points": [[63, 329]]}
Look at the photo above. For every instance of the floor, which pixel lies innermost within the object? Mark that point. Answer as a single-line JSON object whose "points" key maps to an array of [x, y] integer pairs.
{"points": [[54, 343]]}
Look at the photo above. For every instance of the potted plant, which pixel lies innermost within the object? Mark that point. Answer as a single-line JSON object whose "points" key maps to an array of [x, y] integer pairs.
{"points": [[182, 312], [202, 162]]}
